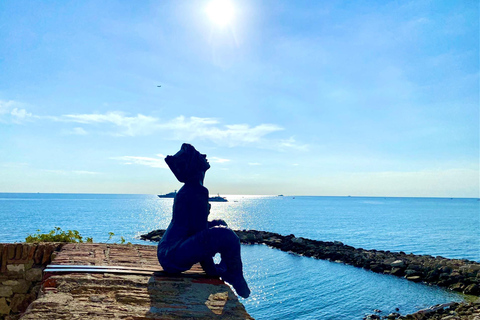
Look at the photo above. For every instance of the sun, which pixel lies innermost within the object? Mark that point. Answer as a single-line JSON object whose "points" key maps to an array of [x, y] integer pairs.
{"points": [[221, 12]]}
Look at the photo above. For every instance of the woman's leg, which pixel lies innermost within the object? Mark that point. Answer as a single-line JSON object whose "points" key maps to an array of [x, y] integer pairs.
{"points": [[204, 245]]}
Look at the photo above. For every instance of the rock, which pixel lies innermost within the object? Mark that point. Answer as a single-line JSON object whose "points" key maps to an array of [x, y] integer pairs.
{"points": [[397, 272], [18, 303], [414, 278], [393, 315], [457, 286], [397, 264], [18, 268], [6, 291], [473, 289], [4, 308], [410, 272], [298, 240], [21, 286], [34, 274]]}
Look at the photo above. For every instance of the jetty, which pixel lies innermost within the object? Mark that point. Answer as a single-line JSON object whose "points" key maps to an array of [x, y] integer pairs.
{"points": [[106, 281]]}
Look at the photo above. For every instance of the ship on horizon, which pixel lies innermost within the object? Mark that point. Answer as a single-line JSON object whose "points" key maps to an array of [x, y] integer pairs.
{"points": [[168, 195]]}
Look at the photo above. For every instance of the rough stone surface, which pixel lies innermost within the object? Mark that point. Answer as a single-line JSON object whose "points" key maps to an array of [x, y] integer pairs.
{"points": [[191, 295], [4, 307], [16, 268], [6, 291], [34, 274]]}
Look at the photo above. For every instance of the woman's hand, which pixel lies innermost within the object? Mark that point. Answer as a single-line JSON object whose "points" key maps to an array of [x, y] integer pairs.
{"points": [[217, 222]]}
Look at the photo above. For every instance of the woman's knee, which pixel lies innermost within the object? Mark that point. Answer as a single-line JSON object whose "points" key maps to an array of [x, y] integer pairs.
{"points": [[227, 235]]}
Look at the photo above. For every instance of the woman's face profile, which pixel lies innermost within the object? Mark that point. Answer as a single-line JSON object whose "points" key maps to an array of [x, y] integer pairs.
{"points": [[188, 164]]}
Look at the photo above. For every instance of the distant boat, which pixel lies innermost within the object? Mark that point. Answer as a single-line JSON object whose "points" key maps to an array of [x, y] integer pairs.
{"points": [[217, 198], [168, 195], [280, 195]]}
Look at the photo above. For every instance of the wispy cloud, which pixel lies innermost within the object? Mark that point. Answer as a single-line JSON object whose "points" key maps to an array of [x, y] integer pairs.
{"points": [[254, 164], [144, 161], [77, 131], [6, 106], [218, 160], [291, 143], [12, 111], [208, 128], [129, 125], [68, 172], [180, 128]]}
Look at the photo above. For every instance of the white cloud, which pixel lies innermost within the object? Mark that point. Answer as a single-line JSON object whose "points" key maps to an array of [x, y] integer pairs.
{"points": [[180, 128], [79, 131], [291, 143], [11, 110], [67, 172], [6, 106], [20, 113], [254, 164], [228, 135], [218, 160], [144, 161], [130, 125]]}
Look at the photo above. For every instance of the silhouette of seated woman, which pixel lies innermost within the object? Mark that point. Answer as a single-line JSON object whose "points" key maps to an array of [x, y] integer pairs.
{"points": [[191, 238]]}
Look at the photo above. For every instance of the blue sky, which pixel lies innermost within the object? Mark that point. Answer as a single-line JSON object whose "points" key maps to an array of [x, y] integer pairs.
{"points": [[367, 98]]}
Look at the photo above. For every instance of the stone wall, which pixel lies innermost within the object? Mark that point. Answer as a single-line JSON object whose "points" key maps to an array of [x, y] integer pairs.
{"points": [[21, 270]]}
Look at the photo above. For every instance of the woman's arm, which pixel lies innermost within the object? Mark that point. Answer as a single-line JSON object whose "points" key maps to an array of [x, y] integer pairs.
{"points": [[216, 223]]}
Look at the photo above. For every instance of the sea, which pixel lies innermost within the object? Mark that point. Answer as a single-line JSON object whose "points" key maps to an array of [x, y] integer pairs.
{"points": [[283, 285]]}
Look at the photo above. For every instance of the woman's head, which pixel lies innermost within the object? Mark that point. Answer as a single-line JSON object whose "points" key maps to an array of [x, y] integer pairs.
{"points": [[188, 164]]}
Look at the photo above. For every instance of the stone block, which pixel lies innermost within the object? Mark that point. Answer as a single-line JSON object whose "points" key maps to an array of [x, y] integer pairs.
{"points": [[38, 254], [28, 264], [31, 251], [17, 268], [4, 254], [18, 251], [11, 251], [6, 291], [22, 286], [4, 307], [47, 254], [25, 250], [34, 274], [18, 303]]}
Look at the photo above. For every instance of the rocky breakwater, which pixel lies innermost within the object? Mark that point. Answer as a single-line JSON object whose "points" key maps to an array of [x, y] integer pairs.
{"points": [[455, 274]]}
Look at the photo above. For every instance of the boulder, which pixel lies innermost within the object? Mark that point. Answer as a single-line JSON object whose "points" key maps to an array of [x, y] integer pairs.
{"points": [[398, 264], [472, 289]]}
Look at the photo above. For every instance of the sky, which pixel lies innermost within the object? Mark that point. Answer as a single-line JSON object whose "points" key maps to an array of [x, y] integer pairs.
{"points": [[327, 98]]}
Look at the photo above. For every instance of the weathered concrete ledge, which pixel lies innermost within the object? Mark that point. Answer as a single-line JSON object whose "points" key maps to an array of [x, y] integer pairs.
{"points": [[110, 295], [454, 274]]}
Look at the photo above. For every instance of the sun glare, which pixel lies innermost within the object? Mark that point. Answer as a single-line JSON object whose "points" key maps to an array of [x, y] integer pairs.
{"points": [[221, 12]]}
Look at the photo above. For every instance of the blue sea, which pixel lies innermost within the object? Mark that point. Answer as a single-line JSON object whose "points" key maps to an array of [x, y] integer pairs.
{"points": [[284, 286]]}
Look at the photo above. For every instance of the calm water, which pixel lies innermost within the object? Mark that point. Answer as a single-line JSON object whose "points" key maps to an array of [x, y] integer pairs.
{"points": [[284, 286]]}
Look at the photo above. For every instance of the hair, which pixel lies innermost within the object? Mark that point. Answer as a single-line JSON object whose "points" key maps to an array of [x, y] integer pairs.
{"points": [[186, 163]]}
